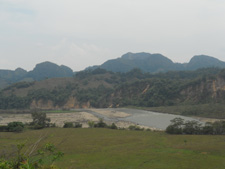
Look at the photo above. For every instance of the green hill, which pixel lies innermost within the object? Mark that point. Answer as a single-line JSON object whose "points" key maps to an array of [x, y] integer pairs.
{"points": [[100, 88]]}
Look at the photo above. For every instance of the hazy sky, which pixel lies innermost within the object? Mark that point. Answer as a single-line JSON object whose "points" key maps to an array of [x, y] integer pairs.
{"points": [[81, 33]]}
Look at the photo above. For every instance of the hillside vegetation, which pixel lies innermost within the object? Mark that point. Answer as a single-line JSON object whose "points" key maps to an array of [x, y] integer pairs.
{"points": [[192, 90]]}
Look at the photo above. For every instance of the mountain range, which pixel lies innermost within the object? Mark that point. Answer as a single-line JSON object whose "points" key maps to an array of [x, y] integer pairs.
{"points": [[146, 62], [157, 63], [41, 71]]}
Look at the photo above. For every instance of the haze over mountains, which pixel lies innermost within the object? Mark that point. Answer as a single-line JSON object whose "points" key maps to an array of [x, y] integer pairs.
{"points": [[158, 63], [144, 61]]}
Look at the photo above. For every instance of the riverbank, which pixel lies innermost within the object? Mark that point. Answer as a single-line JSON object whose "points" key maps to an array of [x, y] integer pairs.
{"points": [[122, 117]]}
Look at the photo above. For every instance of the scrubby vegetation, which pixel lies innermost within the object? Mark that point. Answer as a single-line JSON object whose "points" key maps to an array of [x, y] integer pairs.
{"points": [[40, 121], [72, 125], [32, 158], [179, 126]]}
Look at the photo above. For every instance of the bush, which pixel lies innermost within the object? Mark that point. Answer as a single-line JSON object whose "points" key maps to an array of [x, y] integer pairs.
{"points": [[176, 126], [91, 124], [134, 127], [100, 124], [78, 125], [40, 120], [192, 127], [38, 160], [68, 125], [113, 126], [3, 128], [171, 129], [72, 125], [15, 127]]}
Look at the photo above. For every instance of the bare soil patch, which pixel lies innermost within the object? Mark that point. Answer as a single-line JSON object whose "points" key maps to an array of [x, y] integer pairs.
{"points": [[111, 113]]}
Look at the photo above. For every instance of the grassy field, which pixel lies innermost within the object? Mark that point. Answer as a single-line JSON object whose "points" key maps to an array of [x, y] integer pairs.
{"points": [[118, 149]]}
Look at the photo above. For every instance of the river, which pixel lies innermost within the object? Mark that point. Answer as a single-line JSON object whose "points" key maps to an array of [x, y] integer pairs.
{"points": [[141, 117]]}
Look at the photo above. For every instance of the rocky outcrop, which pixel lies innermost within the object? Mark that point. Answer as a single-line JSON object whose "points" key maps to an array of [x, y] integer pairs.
{"points": [[71, 103]]}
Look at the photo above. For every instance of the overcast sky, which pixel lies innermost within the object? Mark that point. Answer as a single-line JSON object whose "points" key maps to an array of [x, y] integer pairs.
{"points": [[82, 33]]}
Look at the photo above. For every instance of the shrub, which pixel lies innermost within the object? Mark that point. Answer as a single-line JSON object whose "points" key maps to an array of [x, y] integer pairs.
{"points": [[134, 127], [113, 126], [3, 128], [100, 124], [171, 129], [15, 127], [40, 120], [91, 124], [192, 127], [44, 158], [78, 125], [68, 125], [176, 126]]}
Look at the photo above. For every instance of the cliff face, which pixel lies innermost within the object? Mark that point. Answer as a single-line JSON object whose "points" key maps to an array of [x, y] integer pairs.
{"points": [[148, 93], [211, 89], [71, 103]]}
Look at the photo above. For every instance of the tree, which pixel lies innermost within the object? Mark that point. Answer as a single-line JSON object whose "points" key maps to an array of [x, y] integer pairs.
{"points": [[192, 127], [91, 124], [219, 127], [100, 124], [113, 126], [40, 120], [176, 126], [15, 126], [208, 128], [68, 125]]}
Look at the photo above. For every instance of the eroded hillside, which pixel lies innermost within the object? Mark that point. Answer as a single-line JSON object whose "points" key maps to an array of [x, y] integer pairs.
{"points": [[100, 88]]}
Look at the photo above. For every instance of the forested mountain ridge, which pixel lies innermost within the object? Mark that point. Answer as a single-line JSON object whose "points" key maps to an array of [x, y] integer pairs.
{"points": [[157, 63], [100, 88], [49, 70], [146, 62], [41, 71], [201, 61]]}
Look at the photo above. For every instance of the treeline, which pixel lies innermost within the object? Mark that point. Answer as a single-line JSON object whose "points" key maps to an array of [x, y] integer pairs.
{"points": [[14, 102], [179, 126]]}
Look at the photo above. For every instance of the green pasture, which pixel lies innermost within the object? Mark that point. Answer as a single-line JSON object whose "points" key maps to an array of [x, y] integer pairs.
{"points": [[122, 149]]}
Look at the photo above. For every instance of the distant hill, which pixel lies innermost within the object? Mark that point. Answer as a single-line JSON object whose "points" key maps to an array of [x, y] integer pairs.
{"points": [[146, 62], [41, 71], [49, 70], [203, 61], [9, 76], [157, 63]]}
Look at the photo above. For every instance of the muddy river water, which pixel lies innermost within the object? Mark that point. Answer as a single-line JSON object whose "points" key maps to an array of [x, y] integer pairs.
{"points": [[141, 117]]}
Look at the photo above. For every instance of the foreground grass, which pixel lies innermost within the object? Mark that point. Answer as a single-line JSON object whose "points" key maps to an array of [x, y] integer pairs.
{"points": [[105, 148]]}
